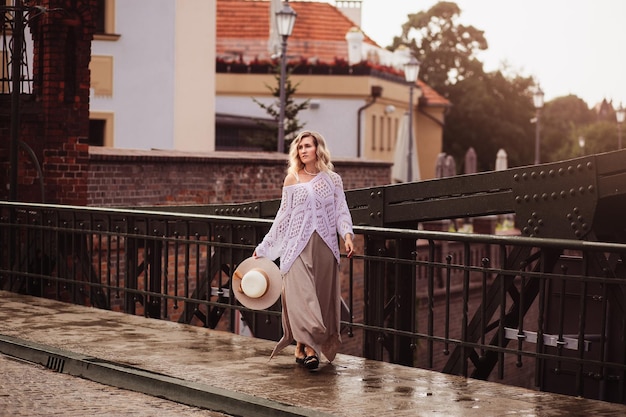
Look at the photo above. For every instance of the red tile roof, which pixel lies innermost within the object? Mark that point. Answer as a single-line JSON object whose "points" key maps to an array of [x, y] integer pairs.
{"points": [[243, 28]]}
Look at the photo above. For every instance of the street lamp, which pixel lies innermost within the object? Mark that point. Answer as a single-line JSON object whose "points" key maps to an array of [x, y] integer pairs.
{"points": [[620, 114], [411, 69], [285, 19], [538, 102]]}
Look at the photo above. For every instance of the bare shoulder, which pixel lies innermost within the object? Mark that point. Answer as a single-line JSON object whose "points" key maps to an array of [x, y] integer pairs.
{"points": [[289, 180]]}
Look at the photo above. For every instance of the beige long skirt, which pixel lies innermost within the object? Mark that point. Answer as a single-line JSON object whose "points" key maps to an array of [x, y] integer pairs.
{"points": [[311, 300]]}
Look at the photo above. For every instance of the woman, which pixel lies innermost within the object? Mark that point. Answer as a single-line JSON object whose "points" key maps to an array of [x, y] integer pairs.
{"points": [[312, 212]]}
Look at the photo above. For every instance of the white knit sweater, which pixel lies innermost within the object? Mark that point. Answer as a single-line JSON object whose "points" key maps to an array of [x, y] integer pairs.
{"points": [[315, 206]]}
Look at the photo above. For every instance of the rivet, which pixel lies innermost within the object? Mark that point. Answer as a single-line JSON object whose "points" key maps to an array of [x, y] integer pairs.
{"points": [[554, 195], [569, 216], [576, 210], [572, 192], [542, 174], [379, 214], [525, 175], [580, 218], [589, 165], [540, 222], [573, 225], [518, 199], [525, 230], [581, 190], [563, 194], [544, 196], [561, 171], [530, 222], [372, 195], [570, 169], [591, 188], [577, 233], [516, 177], [533, 175], [536, 230], [579, 167], [534, 214], [585, 226], [536, 197], [551, 173]]}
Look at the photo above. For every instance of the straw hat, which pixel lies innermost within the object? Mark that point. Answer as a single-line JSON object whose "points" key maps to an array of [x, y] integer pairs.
{"points": [[257, 283]]}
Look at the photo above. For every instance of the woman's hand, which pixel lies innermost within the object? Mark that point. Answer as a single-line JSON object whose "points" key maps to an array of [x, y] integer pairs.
{"points": [[349, 245]]}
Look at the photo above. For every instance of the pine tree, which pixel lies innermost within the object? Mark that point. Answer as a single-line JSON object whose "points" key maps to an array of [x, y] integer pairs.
{"points": [[292, 108]]}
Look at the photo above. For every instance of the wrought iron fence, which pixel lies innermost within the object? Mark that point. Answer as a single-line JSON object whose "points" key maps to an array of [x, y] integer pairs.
{"points": [[536, 312]]}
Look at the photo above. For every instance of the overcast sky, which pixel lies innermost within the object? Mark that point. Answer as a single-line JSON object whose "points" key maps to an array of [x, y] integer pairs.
{"points": [[569, 46]]}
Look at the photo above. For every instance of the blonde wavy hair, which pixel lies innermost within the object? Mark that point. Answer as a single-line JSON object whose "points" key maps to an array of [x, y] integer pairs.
{"points": [[323, 154]]}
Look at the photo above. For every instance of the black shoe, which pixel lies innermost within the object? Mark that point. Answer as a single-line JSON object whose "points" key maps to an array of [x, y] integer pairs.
{"points": [[311, 362]]}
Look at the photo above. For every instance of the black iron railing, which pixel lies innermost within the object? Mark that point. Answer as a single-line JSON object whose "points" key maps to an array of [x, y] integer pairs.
{"points": [[523, 310]]}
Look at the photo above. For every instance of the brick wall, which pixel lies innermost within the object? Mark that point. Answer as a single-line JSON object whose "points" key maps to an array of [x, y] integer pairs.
{"points": [[56, 113], [119, 177]]}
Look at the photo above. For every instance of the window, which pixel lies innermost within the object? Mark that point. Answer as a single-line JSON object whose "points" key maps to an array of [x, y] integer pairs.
{"points": [[100, 129], [374, 132], [105, 20], [244, 133]]}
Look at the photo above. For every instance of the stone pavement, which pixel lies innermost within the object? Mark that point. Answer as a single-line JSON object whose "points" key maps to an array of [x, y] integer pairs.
{"points": [[196, 368], [30, 390]]}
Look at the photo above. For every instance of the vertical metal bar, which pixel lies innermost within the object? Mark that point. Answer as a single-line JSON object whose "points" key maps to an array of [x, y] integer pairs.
{"points": [[502, 290], [16, 70], [351, 297], [446, 348], [582, 318], [540, 363], [483, 303], [465, 318], [165, 272], [431, 304], [520, 325], [560, 340], [603, 339], [118, 253]]}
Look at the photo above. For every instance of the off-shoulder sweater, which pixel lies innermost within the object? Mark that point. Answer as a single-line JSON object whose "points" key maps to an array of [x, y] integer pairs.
{"points": [[315, 206]]}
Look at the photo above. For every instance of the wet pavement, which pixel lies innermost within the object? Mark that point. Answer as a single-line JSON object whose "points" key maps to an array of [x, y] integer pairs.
{"points": [[78, 348]]}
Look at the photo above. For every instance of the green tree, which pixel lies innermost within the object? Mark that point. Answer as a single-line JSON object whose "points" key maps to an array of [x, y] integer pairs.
{"points": [[490, 112], [292, 108], [446, 49], [561, 121], [597, 137]]}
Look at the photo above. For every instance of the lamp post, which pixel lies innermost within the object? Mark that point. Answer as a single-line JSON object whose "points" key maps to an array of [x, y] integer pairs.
{"points": [[285, 19], [411, 69], [538, 103], [620, 114]]}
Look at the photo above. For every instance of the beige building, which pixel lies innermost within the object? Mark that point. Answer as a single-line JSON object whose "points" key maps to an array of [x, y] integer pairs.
{"points": [[357, 89]]}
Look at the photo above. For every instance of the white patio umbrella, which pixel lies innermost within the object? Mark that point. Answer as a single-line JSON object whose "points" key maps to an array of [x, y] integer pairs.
{"points": [[399, 170]]}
